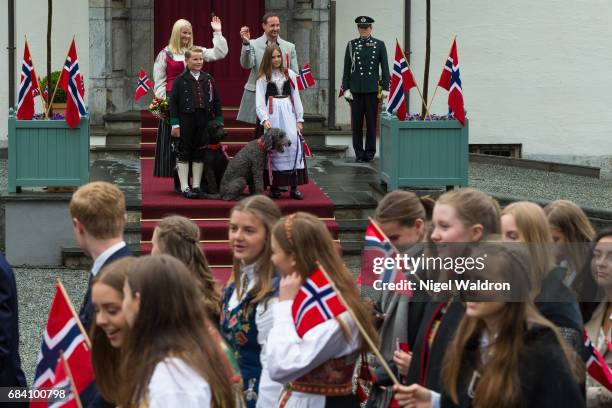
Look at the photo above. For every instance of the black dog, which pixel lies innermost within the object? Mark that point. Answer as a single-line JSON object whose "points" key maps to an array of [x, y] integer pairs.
{"points": [[215, 159], [247, 167]]}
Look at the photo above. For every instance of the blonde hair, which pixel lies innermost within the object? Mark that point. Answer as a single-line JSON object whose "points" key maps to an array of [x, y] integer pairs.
{"points": [[174, 44], [568, 218], [268, 213], [100, 207], [307, 238], [474, 207], [531, 222]]}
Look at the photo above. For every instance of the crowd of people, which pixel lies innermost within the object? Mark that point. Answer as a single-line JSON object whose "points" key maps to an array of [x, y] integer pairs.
{"points": [[161, 326]]}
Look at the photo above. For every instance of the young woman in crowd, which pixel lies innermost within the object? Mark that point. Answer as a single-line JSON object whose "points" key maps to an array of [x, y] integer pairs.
{"points": [[402, 216], [169, 358], [169, 64], [278, 105], [108, 331], [460, 218], [572, 232], [526, 222], [599, 325], [504, 353], [319, 365], [246, 316], [180, 237]]}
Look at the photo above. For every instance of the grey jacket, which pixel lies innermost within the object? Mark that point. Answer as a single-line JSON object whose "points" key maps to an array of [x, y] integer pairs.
{"points": [[251, 55]]}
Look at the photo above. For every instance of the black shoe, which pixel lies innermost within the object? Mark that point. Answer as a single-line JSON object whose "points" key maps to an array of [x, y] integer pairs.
{"points": [[275, 194], [358, 160], [197, 192], [187, 193], [296, 195]]}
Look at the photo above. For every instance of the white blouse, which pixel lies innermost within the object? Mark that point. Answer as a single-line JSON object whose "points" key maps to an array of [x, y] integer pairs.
{"points": [[278, 78], [175, 384], [269, 391], [290, 357], [219, 51]]}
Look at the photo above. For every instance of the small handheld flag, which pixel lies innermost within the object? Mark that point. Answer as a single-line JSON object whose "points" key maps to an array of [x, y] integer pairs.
{"points": [[144, 85], [596, 366], [305, 79], [315, 303]]}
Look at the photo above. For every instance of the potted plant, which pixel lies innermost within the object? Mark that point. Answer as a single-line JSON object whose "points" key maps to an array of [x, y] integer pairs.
{"points": [[425, 150], [59, 101]]}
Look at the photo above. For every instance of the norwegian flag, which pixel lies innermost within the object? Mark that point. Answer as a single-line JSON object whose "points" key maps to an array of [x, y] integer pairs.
{"points": [[304, 78], [46, 94], [595, 364], [27, 87], [451, 81], [341, 93], [402, 81], [378, 247], [64, 383], [63, 335], [71, 81], [144, 85], [315, 303]]}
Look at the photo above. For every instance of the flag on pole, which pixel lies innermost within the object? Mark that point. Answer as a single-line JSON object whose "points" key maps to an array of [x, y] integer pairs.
{"points": [[71, 81], [144, 85], [46, 94], [451, 81], [63, 335], [596, 366], [315, 303], [27, 87], [66, 395], [378, 259], [305, 79], [402, 81]]}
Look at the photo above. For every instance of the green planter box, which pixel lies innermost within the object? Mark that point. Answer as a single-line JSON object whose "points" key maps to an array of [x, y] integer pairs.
{"points": [[47, 153], [422, 153]]}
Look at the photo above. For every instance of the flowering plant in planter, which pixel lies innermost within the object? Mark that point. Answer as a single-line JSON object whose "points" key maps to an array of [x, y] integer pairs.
{"points": [[159, 108]]}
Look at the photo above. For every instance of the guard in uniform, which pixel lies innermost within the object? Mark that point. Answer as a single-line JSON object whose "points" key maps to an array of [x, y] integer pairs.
{"points": [[362, 60]]}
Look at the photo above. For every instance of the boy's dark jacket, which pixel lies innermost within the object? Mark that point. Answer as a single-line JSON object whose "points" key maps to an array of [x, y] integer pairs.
{"points": [[183, 99]]}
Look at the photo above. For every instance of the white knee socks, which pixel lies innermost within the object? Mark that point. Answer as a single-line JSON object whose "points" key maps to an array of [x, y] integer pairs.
{"points": [[183, 173], [196, 170]]}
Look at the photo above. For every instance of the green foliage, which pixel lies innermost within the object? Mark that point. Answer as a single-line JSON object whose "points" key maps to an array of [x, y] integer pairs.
{"points": [[60, 95]]}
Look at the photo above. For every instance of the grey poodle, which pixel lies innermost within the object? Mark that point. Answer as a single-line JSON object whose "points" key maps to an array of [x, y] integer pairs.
{"points": [[247, 166]]}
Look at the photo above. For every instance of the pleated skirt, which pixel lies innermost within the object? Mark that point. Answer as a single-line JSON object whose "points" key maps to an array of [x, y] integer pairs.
{"points": [[165, 157]]}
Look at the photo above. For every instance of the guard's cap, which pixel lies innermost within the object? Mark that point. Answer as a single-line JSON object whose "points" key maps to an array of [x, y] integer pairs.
{"points": [[364, 21]]}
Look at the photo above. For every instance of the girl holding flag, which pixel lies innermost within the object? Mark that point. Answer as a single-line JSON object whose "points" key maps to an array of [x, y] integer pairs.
{"points": [[503, 353], [278, 105], [402, 216], [311, 350], [246, 313]]}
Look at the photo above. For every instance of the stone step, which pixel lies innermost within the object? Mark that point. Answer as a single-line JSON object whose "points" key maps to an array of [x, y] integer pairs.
{"points": [[351, 229], [328, 150], [122, 151]]}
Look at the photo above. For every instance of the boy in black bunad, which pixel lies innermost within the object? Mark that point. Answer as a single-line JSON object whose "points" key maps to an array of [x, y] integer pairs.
{"points": [[194, 101]]}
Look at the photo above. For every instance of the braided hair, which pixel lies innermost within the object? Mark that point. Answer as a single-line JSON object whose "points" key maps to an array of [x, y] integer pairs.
{"points": [[180, 237]]}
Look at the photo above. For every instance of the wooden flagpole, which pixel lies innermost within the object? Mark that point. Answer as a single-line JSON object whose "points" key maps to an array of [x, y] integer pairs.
{"points": [[437, 86], [74, 313], [37, 78], [363, 332], [58, 78], [415, 82], [75, 392]]}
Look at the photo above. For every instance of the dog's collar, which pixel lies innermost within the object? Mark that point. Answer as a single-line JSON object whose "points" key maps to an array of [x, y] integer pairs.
{"points": [[260, 143]]}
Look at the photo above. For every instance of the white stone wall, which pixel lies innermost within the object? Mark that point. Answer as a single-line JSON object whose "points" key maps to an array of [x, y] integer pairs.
{"points": [[389, 25], [69, 18], [536, 73]]}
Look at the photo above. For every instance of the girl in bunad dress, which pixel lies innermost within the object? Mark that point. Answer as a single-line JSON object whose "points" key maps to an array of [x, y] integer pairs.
{"points": [[247, 300], [317, 368], [278, 105], [169, 64], [169, 358]]}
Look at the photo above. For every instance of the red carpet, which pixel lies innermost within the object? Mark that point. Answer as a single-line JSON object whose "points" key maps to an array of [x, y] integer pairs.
{"points": [[159, 199]]}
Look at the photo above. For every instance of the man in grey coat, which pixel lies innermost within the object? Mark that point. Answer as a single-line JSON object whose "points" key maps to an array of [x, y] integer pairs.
{"points": [[250, 58]]}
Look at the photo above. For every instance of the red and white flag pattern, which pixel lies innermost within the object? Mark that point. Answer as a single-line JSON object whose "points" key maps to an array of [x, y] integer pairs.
{"points": [[144, 85], [28, 87], [71, 81], [451, 81]]}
